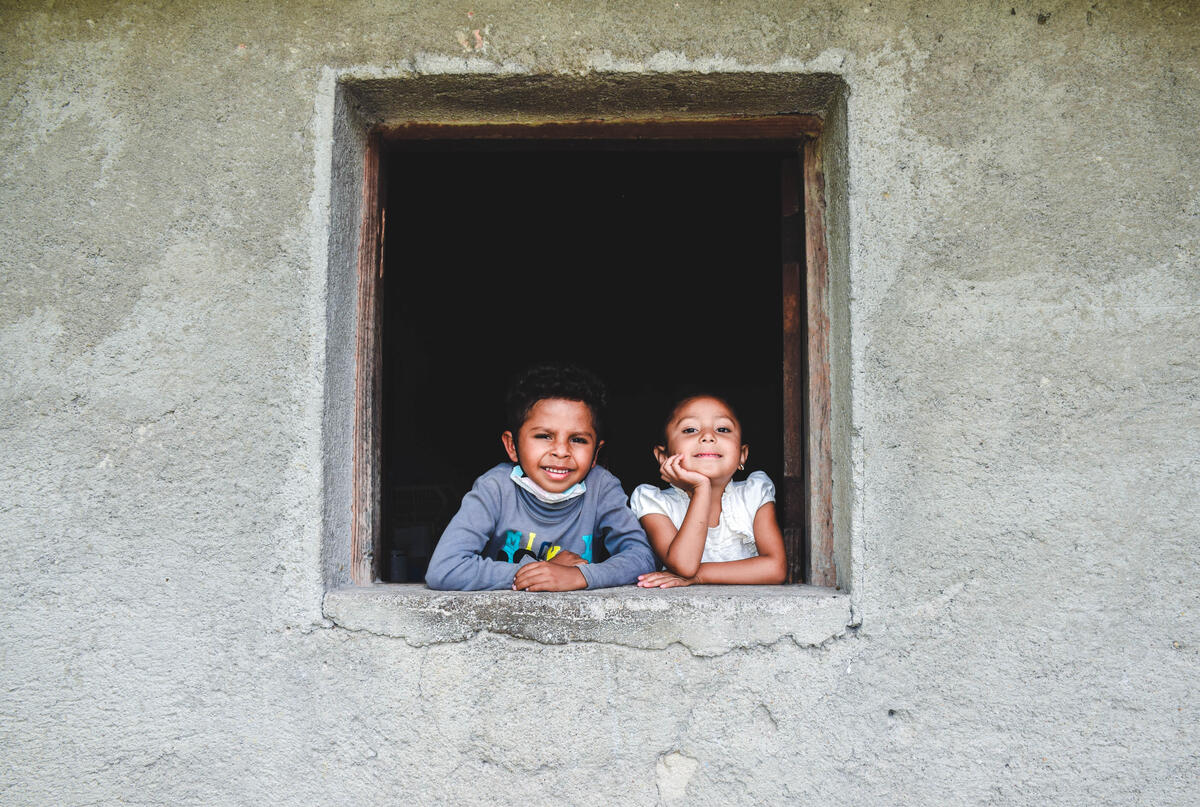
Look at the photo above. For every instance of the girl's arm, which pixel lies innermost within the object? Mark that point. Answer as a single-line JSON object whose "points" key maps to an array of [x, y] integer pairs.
{"points": [[681, 549], [769, 567]]}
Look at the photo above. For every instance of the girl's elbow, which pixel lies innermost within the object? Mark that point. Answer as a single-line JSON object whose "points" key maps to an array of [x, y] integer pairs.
{"points": [[684, 569], [778, 573]]}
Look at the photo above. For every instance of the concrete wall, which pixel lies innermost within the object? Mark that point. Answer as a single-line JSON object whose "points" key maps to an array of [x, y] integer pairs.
{"points": [[1020, 469]]}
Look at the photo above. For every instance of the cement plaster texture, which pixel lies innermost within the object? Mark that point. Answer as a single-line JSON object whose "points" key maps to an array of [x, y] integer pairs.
{"points": [[1019, 475]]}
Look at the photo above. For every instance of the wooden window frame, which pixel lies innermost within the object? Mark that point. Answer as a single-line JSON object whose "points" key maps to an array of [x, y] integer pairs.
{"points": [[807, 487]]}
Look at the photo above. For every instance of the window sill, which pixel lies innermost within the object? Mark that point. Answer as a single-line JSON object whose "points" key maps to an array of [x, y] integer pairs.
{"points": [[708, 620]]}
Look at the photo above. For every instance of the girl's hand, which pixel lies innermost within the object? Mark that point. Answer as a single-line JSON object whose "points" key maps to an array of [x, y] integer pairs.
{"points": [[672, 471], [663, 580]]}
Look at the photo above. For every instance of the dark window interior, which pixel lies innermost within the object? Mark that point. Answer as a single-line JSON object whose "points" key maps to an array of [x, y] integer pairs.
{"points": [[657, 268]]}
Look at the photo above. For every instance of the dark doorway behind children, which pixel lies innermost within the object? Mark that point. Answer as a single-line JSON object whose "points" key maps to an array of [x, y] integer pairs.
{"points": [[657, 269]]}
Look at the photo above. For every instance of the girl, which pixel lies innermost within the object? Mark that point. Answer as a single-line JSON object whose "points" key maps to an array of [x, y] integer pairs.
{"points": [[706, 527]]}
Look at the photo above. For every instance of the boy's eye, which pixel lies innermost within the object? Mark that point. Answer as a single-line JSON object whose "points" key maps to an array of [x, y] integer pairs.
{"points": [[582, 440], [541, 437]]}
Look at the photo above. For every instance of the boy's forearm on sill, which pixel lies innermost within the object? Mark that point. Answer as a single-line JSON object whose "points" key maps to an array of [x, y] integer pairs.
{"points": [[619, 570]]}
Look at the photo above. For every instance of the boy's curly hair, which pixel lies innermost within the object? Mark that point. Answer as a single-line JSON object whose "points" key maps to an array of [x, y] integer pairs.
{"points": [[554, 380]]}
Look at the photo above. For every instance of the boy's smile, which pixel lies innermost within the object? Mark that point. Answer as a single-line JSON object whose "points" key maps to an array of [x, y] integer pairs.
{"points": [[556, 445]]}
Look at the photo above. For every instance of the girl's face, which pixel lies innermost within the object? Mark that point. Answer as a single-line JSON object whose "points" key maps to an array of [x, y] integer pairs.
{"points": [[708, 436]]}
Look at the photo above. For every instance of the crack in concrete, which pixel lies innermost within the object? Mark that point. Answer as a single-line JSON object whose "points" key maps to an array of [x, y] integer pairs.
{"points": [[770, 715], [823, 645]]}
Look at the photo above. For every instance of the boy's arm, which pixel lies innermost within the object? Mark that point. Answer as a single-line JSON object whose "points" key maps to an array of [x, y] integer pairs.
{"points": [[456, 564], [629, 552]]}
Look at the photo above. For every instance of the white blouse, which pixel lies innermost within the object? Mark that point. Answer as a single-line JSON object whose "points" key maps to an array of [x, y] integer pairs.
{"points": [[733, 537]]}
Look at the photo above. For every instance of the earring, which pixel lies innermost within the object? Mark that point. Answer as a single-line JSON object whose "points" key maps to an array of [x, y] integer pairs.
{"points": [[741, 467]]}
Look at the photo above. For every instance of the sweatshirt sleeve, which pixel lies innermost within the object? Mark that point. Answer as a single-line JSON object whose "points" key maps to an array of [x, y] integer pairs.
{"points": [[457, 564], [629, 551]]}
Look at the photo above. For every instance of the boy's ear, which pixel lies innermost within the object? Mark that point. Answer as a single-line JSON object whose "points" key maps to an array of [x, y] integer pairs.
{"points": [[509, 446], [596, 453], [660, 454]]}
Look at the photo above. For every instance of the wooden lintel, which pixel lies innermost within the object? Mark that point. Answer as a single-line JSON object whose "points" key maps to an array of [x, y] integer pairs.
{"points": [[768, 127]]}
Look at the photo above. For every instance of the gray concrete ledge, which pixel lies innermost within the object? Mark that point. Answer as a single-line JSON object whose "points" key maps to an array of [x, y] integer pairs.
{"points": [[708, 620]]}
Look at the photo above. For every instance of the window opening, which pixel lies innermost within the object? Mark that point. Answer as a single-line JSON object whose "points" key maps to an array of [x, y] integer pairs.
{"points": [[655, 263], [655, 269]]}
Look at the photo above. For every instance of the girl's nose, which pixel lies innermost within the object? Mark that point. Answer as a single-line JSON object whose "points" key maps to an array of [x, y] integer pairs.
{"points": [[707, 436]]}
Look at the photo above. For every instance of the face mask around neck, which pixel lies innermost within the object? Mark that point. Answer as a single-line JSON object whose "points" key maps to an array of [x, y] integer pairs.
{"points": [[541, 494]]}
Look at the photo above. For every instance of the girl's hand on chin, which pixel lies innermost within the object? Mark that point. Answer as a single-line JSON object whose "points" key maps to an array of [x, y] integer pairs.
{"points": [[674, 473]]}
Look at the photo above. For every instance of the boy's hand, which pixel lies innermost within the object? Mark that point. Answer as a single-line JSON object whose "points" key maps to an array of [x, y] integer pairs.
{"points": [[672, 471], [565, 557], [664, 580], [547, 576]]}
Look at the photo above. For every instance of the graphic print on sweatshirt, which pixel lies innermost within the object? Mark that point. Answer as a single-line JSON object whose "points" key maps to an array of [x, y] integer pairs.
{"points": [[519, 545]]}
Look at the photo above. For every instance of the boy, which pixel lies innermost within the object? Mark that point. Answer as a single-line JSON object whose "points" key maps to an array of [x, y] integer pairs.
{"points": [[532, 524]]}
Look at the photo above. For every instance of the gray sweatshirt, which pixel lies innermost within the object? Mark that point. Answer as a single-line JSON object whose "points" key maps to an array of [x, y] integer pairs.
{"points": [[501, 527]]}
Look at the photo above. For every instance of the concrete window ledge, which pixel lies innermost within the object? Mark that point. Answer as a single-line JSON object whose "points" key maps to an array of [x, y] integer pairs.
{"points": [[708, 620]]}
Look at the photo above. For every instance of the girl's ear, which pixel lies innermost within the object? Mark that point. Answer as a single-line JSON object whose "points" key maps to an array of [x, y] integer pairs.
{"points": [[745, 455], [509, 446], [660, 454]]}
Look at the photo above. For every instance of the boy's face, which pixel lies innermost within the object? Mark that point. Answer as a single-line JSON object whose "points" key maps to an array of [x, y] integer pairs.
{"points": [[556, 445]]}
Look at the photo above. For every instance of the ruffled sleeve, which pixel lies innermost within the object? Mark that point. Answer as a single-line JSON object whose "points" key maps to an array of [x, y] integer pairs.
{"points": [[759, 490], [648, 499], [739, 505]]}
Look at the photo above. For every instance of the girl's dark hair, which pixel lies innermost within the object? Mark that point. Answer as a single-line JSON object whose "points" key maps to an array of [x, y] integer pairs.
{"points": [[689, 395], [567, 381]]}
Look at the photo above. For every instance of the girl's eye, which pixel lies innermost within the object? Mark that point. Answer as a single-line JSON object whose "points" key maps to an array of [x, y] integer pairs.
{"points": [[689, 429], [724, 430]]}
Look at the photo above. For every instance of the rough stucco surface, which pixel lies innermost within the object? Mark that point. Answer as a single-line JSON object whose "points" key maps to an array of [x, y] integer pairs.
{"points": [[1024, 251], [708, 621]]}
